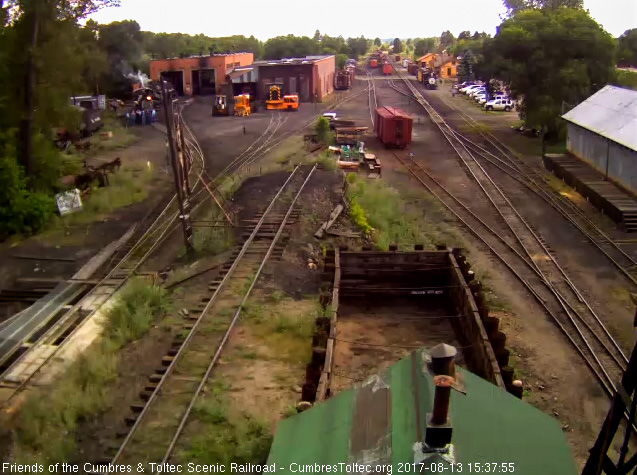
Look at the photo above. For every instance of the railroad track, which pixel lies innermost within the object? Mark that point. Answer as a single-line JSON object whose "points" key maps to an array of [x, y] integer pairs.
{"points": [[152, 231], [506, 160], [535, 265], [155, 427], [23, 361]]}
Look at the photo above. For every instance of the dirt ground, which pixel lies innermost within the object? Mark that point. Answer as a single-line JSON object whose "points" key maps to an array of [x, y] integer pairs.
{"points": [[551, 369], [371, 336], [79, 243]]}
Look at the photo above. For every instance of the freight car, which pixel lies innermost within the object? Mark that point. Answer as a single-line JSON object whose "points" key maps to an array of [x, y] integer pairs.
{"points": [[387, 69], [393, 127], [342, 80], [412, 68], [373, 63]]}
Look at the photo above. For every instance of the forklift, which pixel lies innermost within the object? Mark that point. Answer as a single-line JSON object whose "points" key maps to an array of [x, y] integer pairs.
{"points": [[242, 105], [220, 106]]}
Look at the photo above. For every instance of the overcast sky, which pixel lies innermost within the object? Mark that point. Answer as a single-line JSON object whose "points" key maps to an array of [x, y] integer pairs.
{"points": [[370, 18]]}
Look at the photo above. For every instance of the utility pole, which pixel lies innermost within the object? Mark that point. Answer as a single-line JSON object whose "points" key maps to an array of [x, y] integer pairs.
{"points": [[178, 172]]}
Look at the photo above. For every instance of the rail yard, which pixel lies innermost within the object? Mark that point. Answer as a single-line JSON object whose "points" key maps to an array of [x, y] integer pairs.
{"points": [[327, 253]]}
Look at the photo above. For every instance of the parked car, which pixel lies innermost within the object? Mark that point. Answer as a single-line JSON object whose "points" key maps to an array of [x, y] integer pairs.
{"points": [[457, 87], [497, 95], [468, 89], [499, 105], [473, 92]]}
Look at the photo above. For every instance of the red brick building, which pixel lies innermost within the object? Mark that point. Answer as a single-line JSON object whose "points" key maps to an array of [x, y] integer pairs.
{"points": [[311, 77], [198, 74]]}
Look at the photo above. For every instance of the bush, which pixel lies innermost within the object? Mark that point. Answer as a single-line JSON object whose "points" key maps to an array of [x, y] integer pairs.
{"points": [[21, 211], [323, 128]]}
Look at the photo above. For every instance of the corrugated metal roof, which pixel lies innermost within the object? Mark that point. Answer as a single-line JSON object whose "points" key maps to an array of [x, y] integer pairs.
{"points": [[379, 421], [611, 112]]}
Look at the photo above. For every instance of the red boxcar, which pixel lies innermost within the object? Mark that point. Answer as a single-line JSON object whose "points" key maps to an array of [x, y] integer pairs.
{"points": [[387, 69], [393, 127], [373, 63]]}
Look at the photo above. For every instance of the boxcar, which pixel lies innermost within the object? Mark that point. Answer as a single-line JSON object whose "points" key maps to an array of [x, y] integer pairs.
{"points": [[387, 69], [393, 127], [373, 63], [342, 80]]}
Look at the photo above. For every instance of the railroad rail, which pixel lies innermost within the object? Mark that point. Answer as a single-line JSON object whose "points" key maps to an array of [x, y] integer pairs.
{"points": [[372, 99], [151, 232], [509, 163], [48, 334], [184, 376], [543, 276]]}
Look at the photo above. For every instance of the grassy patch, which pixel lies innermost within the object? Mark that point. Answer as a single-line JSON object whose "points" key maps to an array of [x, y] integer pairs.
{"points": [[625, 78], [226, 435], [133, 314], [130, 185], [121, 138], [403, 218], [286, 325], [45, 424]]}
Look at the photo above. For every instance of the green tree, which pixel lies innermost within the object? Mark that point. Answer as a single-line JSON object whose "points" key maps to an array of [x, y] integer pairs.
{"points": [[122, 41], [317, 35], [446, 39], [464, 35], [515, 6], [465, 67], [549, 56], [398, 46], [377, 42], [340, 60], [423, 46], [627, 49]]}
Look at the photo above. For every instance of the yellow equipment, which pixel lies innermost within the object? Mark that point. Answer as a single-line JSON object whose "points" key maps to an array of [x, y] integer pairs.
{"points": [[275, 101], [291, 102], [242, 105], [220, 106]]}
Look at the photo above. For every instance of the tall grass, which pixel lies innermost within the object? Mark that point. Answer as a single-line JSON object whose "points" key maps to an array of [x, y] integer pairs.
{"points": [[226, 436], [46, 423], [400, 218]]}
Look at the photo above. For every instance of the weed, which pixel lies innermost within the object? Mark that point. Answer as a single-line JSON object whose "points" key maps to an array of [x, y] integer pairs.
{"points": [[276, 296], [402, 218], [240, 438], [326, 163], [83, 390], [132, 314], [210, 410], [289, 411]]}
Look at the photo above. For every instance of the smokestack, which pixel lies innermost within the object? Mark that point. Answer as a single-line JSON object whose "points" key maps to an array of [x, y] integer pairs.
{"points": [[442, 360], [438, 433], [442, 395]]}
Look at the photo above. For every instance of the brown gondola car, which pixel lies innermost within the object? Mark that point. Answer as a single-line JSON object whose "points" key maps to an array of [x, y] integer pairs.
{"points": [[412, 68], [393, 127]]}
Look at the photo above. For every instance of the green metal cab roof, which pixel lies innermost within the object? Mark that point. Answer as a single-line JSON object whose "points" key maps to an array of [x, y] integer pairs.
{"points": [[379, 421]]}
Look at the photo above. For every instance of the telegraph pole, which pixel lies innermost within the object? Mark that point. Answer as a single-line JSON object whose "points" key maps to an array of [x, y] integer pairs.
{"points": [[178, 169]]}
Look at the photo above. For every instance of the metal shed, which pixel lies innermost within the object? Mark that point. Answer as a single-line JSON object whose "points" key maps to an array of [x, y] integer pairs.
{"points": [[602, 131], [384, 420]]}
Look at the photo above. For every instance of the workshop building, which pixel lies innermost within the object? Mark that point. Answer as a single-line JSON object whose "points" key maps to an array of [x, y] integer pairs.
{"points": [[312, 77], [602, 131], [198, 75]]}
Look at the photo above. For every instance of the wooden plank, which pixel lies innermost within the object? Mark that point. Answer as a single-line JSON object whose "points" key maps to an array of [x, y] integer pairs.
{"points": [[329, 354], [321, 390], [333, 217], [343, 234]]}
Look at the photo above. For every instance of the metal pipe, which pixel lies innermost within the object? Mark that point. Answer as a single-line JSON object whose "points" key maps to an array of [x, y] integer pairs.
{"points": [[441, 399]]}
